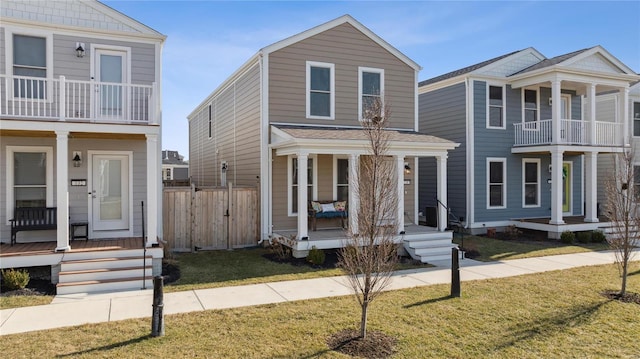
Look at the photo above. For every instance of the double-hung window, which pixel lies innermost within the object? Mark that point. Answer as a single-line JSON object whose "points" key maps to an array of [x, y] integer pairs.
{"points": [[320, 90], [531, 182], [636, 118], [293, 204], [495, 101], [370, 92], [29, 65], [29, 177], [496, 182], [342, 179], [530, 109]]}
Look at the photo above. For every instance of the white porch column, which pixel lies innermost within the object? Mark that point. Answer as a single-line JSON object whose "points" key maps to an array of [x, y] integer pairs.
{"points": [[592, 114], [62, 190], [556, 187], [400, 192], [354, 199], [151, 205], [591, 186], [624, 111], [303, 226], [443, 214], [556, 112]]}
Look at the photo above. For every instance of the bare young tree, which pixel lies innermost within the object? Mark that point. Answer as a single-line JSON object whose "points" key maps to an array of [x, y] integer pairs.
{"points": [[622, 208], [369, 256]]}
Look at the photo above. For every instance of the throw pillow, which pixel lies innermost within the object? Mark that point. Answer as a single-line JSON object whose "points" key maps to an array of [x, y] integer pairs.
{"points": [[316, 206], [341, 206], [328, 207]]}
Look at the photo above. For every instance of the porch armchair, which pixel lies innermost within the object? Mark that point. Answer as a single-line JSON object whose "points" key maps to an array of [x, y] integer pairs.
{"points": [[327, 209]]}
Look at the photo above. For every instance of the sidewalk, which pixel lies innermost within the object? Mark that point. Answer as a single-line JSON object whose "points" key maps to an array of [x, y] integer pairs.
{"points": [[70, 310]]}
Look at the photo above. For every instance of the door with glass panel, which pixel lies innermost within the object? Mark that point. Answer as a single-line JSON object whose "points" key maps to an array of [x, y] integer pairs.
{"points": [[111, 74], [110, 192]]}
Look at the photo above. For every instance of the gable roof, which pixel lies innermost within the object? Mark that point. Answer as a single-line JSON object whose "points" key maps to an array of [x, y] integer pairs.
{"points": [[550, 62], [344, 19]]}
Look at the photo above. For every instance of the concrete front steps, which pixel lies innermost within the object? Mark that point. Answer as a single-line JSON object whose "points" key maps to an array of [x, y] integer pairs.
{"points": [[105, 271], [430, 248]]}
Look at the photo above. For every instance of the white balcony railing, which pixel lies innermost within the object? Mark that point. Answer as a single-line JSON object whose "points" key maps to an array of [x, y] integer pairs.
{"points": [[60, 99], [572, 132]]}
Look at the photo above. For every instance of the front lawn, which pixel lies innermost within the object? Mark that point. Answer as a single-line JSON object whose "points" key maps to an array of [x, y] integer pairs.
{"points": [[558, 314]]}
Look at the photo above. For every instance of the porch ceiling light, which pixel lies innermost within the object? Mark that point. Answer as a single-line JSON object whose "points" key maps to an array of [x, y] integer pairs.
{"points": [[80, 49], [77, 159]]}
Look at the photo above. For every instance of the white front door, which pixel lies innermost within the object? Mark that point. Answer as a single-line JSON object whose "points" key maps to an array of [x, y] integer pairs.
{"points": [[112, 74], [110, 192]]}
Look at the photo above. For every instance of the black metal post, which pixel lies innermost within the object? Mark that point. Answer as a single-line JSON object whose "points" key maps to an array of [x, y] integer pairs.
{"points": [[144, 251], [455, 272], [157, 319]]}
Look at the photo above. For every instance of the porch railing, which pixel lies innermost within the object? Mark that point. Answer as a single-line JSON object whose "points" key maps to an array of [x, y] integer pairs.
{"points": [[23, 97], [572, 132]]}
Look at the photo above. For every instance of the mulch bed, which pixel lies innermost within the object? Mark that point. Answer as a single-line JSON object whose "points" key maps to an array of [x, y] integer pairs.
{"points": [[170, 271], [39, 283], [628, 297], [376, 345]]}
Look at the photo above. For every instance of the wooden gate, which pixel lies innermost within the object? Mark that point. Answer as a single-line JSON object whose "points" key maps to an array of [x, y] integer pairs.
{"points": [[210, 218]]}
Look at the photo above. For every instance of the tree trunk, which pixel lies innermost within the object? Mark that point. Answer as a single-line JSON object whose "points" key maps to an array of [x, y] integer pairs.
{"points": [[623, 287], [363, 320]]}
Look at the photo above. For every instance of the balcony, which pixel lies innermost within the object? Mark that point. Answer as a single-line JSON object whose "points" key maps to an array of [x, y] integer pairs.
{"points": [[37, 98], [572, 132]]}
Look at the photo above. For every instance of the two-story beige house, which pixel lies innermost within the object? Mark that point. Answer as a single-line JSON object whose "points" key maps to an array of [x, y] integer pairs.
{"points": [[80, 137], [298, 104]]}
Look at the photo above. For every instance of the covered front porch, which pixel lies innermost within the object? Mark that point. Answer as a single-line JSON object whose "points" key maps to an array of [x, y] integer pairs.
{"points": [[571, 223]]}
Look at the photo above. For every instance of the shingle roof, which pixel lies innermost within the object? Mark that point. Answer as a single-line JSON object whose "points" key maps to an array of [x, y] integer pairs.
{"points": [[354, 134], [464, 70], [552, 61]]}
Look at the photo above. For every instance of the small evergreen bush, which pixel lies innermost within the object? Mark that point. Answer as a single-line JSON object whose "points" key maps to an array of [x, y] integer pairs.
{"points": [[316, 256], [567, 237], [583, 237], [598, 236], [15, 279]]}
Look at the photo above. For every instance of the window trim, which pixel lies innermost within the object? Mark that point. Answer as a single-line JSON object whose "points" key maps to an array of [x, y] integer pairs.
{"points": [[524, 182], [503, 160], [10, 150], [332, 88], [504, 108], [537, 90], [8, 44], [314, 190], [634, 118], [335, 174], [372, 70]]}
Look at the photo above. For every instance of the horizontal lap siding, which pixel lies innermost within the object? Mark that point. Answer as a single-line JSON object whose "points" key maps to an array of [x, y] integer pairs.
{"points": [[280, 195], [348, 49], [2, 54], [442, 113]]}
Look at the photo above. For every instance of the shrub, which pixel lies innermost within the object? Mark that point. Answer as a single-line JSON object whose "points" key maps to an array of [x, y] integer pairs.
{"points": [[598, 236], [567, 237], [15, 279], [316, 256], [512, 232], [279, 249], [583, 237]]}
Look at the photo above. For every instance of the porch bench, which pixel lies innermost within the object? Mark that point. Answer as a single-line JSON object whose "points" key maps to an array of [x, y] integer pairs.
{"points": [[33, 219], [316, 211]]}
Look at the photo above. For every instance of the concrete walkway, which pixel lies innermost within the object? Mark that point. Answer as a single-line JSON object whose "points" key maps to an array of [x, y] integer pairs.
{"points": [[70, 310]]}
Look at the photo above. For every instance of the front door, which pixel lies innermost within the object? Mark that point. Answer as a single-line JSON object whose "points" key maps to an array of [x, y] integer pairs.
{"points": [[111, 73], [566, 187], [110, 192]]}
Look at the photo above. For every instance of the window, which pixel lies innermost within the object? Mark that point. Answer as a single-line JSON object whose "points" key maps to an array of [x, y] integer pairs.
{"points": [[29, 60], [531, 183], [293, 205], [496, 107], [636, 179], [370, 90], [636, 118], [496, 186], [342, 179], [320, 90], [29, 177], [530, 108]]}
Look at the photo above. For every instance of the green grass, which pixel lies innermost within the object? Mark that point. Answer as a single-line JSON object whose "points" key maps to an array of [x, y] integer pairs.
{"points": [[496, 249], [24, 301], [558, 314]]}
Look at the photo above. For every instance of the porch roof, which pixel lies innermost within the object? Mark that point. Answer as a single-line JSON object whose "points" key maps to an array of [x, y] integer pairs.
{"points": [[331, 140]]}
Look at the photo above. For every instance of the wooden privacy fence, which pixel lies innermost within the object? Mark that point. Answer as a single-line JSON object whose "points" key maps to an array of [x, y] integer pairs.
{"points": [[210, 218]]}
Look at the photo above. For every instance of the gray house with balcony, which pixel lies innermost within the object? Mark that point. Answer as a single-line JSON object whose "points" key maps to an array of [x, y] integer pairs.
{"points": [[531, 134]]}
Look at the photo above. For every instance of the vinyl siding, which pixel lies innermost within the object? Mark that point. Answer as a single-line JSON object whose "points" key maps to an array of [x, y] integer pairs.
{"points": [[2, 55], [280, 195], [442, 113], [78, 195], [235, 134], [348, 49]]}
